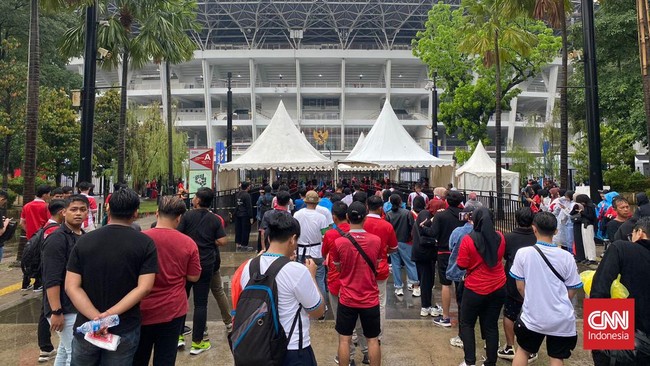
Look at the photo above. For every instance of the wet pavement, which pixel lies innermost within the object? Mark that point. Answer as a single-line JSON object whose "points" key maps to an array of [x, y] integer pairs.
{"points": [[408, 338]]}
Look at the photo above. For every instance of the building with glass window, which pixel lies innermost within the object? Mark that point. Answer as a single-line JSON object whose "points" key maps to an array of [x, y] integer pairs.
{"points": [[332, 63]]}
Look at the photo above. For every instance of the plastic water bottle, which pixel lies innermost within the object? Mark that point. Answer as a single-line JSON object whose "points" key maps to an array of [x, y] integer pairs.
{"points": [[95, 325]]}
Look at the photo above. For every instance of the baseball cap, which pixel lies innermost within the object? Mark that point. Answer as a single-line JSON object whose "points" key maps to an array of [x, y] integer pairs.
{"points": [[312, 197]]}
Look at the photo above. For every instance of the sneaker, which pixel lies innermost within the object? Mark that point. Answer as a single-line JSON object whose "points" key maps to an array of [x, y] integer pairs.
{"points": [[532, 358], [410, 287], [399, 292], [181, 341], [229, 327], [424, 311], [456, 342], [205, 334], [464, 364], [37, 290], [506, 353], [443, 322], [416, 292], [435, 311], [198, 348], [187, 330], [352, 363], [365, 361], [46, 356], [30, 287]]}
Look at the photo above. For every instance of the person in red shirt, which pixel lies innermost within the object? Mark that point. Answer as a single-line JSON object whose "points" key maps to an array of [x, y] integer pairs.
{"points": [[164, 309], [359, 294], [374, 224], [481, 254], [35, 213]]}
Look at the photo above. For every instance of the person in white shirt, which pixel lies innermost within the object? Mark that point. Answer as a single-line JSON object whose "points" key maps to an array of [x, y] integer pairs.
{"points": [[296, 287], [418, 192], [313, 226], [548, 289]]}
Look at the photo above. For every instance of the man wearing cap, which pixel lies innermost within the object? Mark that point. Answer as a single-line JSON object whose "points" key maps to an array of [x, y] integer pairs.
{"points": [[356, 256], [313, 225]]}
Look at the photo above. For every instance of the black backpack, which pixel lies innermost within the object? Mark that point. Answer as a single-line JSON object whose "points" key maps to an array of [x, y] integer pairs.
{"points": [[265, 205], [30, 262], [258, 338]]}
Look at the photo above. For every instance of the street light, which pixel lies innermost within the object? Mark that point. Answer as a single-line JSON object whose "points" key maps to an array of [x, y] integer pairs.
{"points": [[431, 85]]}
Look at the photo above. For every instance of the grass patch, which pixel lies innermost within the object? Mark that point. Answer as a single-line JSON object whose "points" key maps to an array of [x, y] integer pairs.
{"points": [[148, 206]]}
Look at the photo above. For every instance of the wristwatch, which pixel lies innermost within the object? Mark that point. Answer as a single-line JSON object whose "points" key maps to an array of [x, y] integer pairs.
{"points": [[58, 311]]}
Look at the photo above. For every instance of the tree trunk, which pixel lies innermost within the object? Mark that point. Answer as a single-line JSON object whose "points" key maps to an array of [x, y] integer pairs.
{"points": [[121, 132], [5, 162], [497, 125], [170, 146], [644, 50], [31, 124], [564, 111]]}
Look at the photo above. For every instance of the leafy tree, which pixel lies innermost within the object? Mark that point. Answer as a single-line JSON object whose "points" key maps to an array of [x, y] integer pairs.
{"points": [[59, 131], [523, 162], [128, 22], [12, 100], [107, 115], [148, 145]]}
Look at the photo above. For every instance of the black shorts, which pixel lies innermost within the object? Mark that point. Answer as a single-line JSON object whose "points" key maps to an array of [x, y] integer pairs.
{"points": [[346, 320], [443, 263], [512, 308], [556, 347]]}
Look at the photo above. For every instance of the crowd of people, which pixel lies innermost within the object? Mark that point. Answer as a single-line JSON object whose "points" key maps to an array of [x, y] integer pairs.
{"points": [[327, 253]]}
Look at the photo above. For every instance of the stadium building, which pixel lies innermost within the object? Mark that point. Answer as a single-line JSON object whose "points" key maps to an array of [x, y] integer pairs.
{"points": [[332, 63]]}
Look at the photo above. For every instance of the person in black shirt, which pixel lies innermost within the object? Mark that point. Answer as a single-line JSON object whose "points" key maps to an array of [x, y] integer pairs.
{"points": [[207, 232], [57, 307], [630, 261], [623, 213], [109, 271], [442, 226], [522, 236], [244, 217]]}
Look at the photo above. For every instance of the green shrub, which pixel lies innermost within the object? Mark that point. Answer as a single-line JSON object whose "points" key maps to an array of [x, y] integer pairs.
{"points": [[16, 184], [12, 197]]}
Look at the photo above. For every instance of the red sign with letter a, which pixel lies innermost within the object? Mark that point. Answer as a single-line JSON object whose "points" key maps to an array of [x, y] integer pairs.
{"points": [[609, 324]]}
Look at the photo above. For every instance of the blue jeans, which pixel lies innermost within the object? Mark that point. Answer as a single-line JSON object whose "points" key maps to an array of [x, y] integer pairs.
{"points": [[64, 352], [85, 354], [320, 276], [403, 254]]}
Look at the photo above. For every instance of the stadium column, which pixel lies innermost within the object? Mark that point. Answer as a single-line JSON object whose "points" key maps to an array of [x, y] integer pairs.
{"points": [[298, 101], [387, 76], [251, 69], [207, 78], [551, 89], [342, 104], [513, 120]]}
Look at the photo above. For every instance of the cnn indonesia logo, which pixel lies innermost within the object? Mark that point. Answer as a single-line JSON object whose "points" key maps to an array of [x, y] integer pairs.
{"points": [[609, 324]]}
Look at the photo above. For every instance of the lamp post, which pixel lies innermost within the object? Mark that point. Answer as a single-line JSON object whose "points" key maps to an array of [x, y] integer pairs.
{"points": [[229, 120], [88, 103], [434, 112], [591, 101]]}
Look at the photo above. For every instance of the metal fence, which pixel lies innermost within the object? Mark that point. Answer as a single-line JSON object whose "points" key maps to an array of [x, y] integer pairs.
{"points": [[503, 207]]}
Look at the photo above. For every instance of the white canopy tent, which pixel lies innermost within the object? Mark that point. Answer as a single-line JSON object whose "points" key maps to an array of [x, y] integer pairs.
{"points": [[280, 147], [479, 173], [388, 146]]}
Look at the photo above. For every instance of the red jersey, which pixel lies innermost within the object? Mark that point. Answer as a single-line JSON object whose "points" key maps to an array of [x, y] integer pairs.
{"points": [[333, 281], [480, 278], [358, 283], [384, 230], [92, 206], [178, 257], [51, 229], [35, 214]]}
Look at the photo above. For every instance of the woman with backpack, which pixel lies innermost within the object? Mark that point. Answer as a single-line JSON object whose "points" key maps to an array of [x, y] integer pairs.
{"points": [[424, 254]]}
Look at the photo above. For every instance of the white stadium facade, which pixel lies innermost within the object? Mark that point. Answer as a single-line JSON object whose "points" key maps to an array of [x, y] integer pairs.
{"points": [[332, 62]]}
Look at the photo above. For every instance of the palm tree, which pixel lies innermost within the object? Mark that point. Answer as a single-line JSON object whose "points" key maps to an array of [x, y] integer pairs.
{"points": [[492, 35], [165, 37], [554, 13], [123, 19]]}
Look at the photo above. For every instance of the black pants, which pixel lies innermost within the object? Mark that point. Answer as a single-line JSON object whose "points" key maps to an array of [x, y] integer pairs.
{"points": [[577, 238], [485, 308], [426, 275], [201, 292], [44, 336], [601, 359], [162, 338], [303, 357], [242, 230], [460, 287]]}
